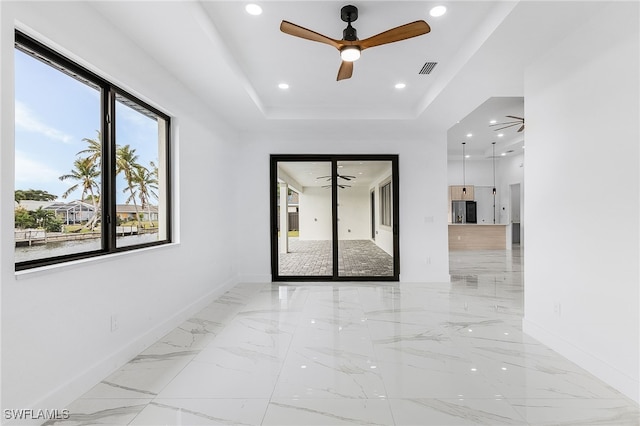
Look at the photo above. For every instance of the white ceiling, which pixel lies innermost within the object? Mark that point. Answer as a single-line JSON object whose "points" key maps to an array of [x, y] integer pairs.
{"points": [[314, 174], [268, 56], [234, 62], [478, 146]]}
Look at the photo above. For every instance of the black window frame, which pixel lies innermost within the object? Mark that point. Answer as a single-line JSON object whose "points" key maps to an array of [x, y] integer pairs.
{"points": [[386, 203], [108, 93], [334, 159]]}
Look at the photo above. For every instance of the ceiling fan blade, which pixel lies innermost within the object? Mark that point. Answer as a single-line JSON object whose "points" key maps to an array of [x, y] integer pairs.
{"points": [[402, 32], [298, 31], [506, 127], [521, 128], [346, 177], [517, 118], [506, 122], [345, 71]]}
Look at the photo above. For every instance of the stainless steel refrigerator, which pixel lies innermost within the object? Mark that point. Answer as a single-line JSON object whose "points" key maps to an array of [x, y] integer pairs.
{"points": [[464, 212]]}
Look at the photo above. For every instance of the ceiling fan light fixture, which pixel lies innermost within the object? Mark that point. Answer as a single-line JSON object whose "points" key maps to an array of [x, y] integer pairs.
{"points": [[253, 9], [438, 11], [350, 53]]}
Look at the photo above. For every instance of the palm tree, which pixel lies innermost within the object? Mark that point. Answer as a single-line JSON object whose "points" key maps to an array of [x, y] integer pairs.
{"points": [[33, 194], [94, 149], [86, 173], [127, 163], [147, 184]]}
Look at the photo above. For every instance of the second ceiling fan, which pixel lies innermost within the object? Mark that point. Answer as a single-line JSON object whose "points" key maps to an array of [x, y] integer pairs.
{"points": [[350, 46]]}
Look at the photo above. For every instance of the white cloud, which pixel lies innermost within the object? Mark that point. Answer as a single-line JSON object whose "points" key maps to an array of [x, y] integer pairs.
{"points": [[27, 120], [31, 172]]}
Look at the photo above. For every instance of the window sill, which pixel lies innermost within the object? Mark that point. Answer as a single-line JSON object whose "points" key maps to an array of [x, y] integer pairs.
{"points": [[60, 267]]}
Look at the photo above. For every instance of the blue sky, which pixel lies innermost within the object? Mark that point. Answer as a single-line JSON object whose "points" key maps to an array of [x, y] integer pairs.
{"points": [[54, 112]]}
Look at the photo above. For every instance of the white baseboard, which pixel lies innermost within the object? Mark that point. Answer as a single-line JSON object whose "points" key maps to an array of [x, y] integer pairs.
{"points": [[601, 369], [68, 392]]}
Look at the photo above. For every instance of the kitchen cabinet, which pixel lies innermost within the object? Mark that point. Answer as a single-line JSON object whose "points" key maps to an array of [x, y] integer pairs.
{"points": [[455, 192]]}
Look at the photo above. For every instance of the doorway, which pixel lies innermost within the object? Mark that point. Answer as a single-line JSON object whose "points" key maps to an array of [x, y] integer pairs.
{"points": [[516, 202], [347, 210]]}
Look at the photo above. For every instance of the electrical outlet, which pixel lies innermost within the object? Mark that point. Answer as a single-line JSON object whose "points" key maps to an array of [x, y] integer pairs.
{"points": [[428, 260], [557, 309], [114, 323]]}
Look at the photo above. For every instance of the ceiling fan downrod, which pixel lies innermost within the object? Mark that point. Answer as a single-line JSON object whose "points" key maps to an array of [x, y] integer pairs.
{"points": [[349, 14]]}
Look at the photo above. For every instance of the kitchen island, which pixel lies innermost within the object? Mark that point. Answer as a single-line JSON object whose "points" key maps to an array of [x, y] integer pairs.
{"points": [[471, 236]]}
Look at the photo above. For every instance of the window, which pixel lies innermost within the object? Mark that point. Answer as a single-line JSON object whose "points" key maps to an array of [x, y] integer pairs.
{"points": [[385, 204], [91, 163]]}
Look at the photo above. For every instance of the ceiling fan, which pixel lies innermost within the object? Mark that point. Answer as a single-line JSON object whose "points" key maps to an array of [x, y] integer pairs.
{"points": [[341, 186], [340, 176], [516, 121], [350, 46]]}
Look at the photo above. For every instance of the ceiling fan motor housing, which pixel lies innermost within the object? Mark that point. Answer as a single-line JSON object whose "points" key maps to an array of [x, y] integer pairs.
{"points": [[350, 33], [349, 13]]}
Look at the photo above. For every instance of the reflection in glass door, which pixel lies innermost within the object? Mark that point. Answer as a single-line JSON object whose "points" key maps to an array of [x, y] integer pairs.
{"points": [[334, 217], [365, 239]]}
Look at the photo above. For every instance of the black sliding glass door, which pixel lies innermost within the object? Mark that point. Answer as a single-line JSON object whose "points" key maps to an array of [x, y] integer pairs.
{"points": [[334, 217]]}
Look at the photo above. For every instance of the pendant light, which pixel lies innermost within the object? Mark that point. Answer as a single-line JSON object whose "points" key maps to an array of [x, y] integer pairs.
{"points": [[464, 177], [494, 181]]}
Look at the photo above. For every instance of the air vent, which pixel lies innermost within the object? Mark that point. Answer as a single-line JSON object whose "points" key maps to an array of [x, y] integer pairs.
{"points": [[428, 67]]}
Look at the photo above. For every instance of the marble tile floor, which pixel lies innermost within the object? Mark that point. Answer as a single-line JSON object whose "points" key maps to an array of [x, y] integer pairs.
{"points": [[356, 258], [359, 354]]}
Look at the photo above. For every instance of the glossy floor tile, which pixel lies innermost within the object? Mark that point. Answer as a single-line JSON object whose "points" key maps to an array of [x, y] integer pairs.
{"points": [[359, 354]]}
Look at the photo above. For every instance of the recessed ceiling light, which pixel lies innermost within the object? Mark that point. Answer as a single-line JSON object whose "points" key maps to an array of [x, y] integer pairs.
{"points": [[500, 135], [400, 86], [467, 156], [493, 122], [283, 86], [438, 11], [253, 9], [469, 135], [503, 154]]}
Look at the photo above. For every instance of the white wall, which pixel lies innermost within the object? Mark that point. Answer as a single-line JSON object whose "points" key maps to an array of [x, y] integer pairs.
{"points": [[384, 233], [477, 172], [582, 197], [56, 338], [354, 214], [423, 198], [315, 214]]}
